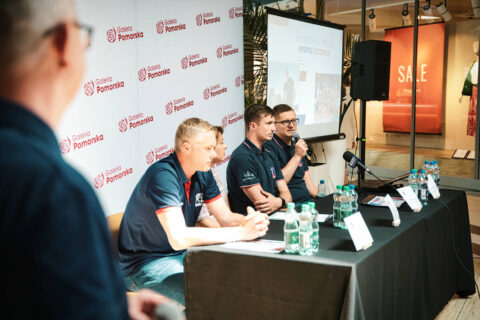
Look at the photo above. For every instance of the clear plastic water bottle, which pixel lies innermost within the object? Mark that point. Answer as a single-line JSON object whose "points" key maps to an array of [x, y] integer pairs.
{"points": [[337, 213], [426, 165], [315, 236], [305, 231], [290, 229], [322, 190], [345, 205], [437, 173], [433, 171], [423, 187], [412, 180], [354, 196]]}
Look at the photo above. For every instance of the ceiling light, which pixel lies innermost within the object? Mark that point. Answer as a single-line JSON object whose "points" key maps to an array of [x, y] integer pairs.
{"points": [[476, 7], [446, 15], [372, 21], [427, 9], [406, 15]]}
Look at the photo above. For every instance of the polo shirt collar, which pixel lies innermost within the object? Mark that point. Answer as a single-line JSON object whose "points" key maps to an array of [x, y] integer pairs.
{"points": [[177, 164], [249, 144], [280, 142], [18, 117]]}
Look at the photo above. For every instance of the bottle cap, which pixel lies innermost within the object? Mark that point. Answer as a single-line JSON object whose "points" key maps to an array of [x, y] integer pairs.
{"points": [[339, 187], [415, 170], [352, 187], [291, 205], [305, 207], [346, 188], [422, 171], [412, 171], [311, 204], [322, 181], [426, 161]]}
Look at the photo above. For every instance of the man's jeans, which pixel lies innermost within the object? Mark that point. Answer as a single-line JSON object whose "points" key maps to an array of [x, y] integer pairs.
{"points": [[164, 275]]}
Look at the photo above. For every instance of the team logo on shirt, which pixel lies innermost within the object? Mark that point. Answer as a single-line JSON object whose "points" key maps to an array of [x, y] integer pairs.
{"points": [[248, 176], [198, 199], [274, 175]]}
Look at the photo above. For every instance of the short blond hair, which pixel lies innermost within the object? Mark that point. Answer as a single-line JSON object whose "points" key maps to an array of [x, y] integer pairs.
{"points": [[190, 128]]}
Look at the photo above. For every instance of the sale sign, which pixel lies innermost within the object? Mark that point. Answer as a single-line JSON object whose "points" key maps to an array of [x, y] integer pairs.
{"points": [[429, 95]]}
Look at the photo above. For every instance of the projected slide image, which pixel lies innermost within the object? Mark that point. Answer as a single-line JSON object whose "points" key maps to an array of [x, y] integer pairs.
{"points": [[283, 85], [327, 93]]}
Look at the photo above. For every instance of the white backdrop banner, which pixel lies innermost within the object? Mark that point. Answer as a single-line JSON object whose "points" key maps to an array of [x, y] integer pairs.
{"points": [[151, 64]]}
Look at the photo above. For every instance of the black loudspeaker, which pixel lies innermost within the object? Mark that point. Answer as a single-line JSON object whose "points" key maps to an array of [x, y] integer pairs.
{"points": [[371, 70]]}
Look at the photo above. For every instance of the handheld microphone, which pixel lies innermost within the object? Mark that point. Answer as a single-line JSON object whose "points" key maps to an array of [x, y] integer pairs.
{"points": [[295, 138], [168, 311], [353, 161]]}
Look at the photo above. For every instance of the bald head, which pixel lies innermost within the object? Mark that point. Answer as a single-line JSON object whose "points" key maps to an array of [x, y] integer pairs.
{"points": [[23, 24]]}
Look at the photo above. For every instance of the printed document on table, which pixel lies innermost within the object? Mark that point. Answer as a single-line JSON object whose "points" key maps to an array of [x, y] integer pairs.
{"points": [[260, 245]]}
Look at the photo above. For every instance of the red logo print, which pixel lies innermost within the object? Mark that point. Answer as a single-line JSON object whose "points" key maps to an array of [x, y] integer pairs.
{"points": [[169, 108], [224, 122], [160, 27], [219, 52], [123, 125], [98, 181], [89, 88], [184, 62], [150, 157], [142, 74], [111, 35], [65, 145], [206, 94], [199, 19], [237, 82], [231, 13]]}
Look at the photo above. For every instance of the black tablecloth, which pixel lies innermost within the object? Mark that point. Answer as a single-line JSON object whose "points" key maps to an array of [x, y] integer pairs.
{"points": [[410, 272]]}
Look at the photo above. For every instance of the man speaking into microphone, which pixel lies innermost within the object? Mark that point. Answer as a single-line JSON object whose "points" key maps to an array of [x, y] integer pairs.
{"points": [[291, 154]]}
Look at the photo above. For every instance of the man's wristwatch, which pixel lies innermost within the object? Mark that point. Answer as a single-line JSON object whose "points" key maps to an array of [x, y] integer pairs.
{"points": [[284, 204]]}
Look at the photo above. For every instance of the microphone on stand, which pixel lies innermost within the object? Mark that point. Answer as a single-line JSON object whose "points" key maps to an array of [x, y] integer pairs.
{"points": [[354, 161], [295, 138]]}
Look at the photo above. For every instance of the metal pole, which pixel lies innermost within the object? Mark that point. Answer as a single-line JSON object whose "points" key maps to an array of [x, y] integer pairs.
{"points": [[363, 105], [477, 127], [414, 87]]}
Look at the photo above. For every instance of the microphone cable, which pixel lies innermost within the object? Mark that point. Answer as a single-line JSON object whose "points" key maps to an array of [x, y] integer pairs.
{"points": [[455, 247]]}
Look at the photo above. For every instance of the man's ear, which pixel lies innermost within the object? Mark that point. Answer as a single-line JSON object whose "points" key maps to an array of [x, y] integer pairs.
{"points": [[186, 146], [60, 43], [252, 125]]}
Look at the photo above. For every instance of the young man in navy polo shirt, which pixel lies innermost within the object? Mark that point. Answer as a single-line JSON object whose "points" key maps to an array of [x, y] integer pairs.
{"points": [[292, 155], [254, 176], [158, 224]]}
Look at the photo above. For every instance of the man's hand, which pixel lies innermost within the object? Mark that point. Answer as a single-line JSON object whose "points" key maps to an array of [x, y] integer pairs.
{"points": [[268, 205], [255, 224], [142, 304], [301, 148]]}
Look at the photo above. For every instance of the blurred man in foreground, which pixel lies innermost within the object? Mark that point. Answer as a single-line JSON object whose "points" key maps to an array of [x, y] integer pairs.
{"points": [[159, 221], [254, 176], [291, 155], [58, 260]]}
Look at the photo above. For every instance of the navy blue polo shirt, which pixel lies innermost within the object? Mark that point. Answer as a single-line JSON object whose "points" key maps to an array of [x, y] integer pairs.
{"points": [[58, 260], [284, 153], [247, 167], [141, 237]]}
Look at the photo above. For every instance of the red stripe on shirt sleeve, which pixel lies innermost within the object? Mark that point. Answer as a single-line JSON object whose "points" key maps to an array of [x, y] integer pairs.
{"points": [[162, 210], [213, 199], [249, 185]]}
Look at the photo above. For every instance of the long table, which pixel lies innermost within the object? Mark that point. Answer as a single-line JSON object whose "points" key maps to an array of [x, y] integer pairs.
{"points": [[410, 272]]}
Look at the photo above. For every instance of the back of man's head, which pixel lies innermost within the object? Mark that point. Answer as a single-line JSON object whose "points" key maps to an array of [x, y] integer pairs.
{"points": [[188, 129], [255, 112], [23, 25], [281, 108]]}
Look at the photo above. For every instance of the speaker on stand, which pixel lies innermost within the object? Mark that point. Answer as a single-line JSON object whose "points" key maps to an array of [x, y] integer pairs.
{"points": [[370, 81]]}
